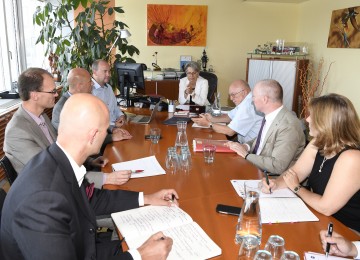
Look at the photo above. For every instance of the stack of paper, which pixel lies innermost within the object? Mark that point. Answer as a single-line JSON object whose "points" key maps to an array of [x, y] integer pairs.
{"points": [[280, 206]]}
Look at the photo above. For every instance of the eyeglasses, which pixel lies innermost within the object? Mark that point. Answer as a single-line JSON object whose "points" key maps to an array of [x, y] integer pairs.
{"points": [[54, 91], [234, 94], [191, 73]]}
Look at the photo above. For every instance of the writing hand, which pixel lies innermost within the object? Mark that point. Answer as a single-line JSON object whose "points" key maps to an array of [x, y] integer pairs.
{"points": [[158, 246], [162, 198], [339, 245], [117, 177], [265, 188]]}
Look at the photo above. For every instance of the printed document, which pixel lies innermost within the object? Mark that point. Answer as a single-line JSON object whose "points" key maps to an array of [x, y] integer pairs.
{"points": [[189, 240], [149, 165], [317, 256]]}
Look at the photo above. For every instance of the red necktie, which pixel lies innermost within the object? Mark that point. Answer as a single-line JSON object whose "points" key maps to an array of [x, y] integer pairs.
{"points": [[89, 190]]}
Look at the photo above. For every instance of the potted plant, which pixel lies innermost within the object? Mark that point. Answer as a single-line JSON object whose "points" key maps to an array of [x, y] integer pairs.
{"points": [[78, 41]]}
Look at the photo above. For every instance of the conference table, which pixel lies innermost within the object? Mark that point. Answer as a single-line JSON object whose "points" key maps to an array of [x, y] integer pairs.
{"points": [[207, 185]]}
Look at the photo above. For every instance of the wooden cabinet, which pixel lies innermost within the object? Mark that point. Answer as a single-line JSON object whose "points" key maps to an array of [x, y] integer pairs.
{"points": [[285, 71], [168, 88]]}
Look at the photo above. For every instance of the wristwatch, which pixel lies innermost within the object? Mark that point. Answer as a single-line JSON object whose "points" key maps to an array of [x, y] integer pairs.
{"points": [[297, 188]]}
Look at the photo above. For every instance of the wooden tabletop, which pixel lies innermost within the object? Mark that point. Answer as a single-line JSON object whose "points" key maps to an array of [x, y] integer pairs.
{"points": [[207, 185]]}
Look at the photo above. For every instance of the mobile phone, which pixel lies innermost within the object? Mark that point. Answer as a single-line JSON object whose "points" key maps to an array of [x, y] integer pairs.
{"points": [[229, 210]]}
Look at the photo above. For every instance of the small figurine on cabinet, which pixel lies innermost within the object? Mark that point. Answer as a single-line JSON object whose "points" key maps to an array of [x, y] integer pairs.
{"points": [[204, 60], [154, 64]]}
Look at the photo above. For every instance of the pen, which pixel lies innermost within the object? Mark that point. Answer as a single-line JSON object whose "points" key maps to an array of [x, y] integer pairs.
{"points": [[267, 180], [137, 171], [329, 234], [172, 198]]}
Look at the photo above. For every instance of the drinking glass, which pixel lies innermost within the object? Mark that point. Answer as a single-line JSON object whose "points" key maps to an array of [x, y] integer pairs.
{"points": [[290, 255], [172, 160], [262, 255], [276, 246], [155, 134], [209, 153], [185, 159], [248, 248]]}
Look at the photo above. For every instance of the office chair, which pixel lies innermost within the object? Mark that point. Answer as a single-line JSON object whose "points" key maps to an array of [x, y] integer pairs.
{"points": [[10, 172], [212, 81]]}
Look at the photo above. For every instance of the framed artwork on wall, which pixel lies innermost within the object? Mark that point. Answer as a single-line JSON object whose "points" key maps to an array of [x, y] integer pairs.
{"points": [[344, 28], [176, 25]]}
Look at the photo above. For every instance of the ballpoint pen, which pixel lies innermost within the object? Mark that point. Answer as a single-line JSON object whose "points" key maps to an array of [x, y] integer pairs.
{"points": [[172, 200], [329, 234], [137, 171], [267, 180]]}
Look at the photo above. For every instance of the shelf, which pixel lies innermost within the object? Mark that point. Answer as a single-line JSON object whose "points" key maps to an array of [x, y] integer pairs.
{"points": [[278, 56]]}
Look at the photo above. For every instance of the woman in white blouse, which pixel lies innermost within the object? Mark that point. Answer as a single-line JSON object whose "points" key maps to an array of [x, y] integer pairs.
{"points": [[193, 87]]}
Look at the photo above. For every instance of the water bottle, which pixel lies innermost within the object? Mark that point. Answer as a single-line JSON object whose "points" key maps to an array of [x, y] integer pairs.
{"points": [[181, 137], [171, 106], [216, 106], [249, 222]]}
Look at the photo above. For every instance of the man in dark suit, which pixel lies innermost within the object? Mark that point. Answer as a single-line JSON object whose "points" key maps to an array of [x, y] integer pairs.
{"points": [[47, 212], [281, 139]]}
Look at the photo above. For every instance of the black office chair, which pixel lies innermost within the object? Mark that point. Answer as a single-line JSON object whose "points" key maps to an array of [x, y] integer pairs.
{"points": [[10, 172], [212, 80]]}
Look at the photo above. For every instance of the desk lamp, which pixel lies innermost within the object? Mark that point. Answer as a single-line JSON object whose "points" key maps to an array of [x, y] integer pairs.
{"points": [[124, 33]]}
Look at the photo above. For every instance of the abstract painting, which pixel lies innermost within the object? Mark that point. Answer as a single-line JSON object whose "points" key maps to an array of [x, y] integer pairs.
{"points": [[344, 28], [176, 25]]}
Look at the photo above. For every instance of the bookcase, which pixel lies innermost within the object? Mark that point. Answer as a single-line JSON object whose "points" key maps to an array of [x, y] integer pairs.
{"points": [[285, 71]]}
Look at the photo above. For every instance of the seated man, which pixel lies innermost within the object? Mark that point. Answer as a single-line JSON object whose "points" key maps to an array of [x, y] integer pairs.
{"points": [[242, 120], [54, 216], [30, 131], [101, 89], [79, 81], [193, 88], [281, 139]]}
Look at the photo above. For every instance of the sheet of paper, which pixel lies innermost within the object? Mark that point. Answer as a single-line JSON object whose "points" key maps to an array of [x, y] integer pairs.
{"points": [[199, 126], [191, 242], [282, 193], [317, 256], [150, 165], [282, 210]]}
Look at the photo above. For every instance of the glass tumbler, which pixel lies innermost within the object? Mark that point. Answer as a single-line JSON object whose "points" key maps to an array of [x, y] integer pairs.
{"points": [[290, 255], [262, 255], [276, 246], [248, 248]]}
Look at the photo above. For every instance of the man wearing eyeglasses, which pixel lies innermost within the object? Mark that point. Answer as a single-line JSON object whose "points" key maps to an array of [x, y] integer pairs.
{"points": [[30, 131], [242, 120]]}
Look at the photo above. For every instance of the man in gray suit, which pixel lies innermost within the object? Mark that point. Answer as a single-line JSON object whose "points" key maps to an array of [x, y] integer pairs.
{"points": [[30, 131], [281, 139]]}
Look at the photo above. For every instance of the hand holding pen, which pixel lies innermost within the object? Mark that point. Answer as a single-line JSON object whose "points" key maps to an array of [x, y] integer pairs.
{"points": [[329, 234], [339, 245], [267, 180]]}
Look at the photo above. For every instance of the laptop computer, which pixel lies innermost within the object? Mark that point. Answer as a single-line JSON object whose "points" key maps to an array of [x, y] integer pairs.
{"points": [[144, 119]]}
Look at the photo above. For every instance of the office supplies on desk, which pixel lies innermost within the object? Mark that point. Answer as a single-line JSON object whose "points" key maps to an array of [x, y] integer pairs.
{"points": [[144, 119], [150, 165], [137, 225]]}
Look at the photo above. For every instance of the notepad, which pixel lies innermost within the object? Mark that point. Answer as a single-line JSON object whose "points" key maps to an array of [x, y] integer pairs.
{"points": [[317, 256], [150, 165], [282, 206], [189, 240]]}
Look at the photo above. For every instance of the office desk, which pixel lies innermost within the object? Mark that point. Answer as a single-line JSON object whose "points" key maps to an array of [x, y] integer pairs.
{"points": [[208, 185]]}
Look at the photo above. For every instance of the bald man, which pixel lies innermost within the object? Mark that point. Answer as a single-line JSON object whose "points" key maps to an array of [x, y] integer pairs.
{"points": [[79, 81], [242, 120], [281, 139], [47, 212]]}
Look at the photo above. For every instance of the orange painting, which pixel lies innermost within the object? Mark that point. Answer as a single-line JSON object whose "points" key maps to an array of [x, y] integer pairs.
{"points": [[345, 28], [176, 25]]}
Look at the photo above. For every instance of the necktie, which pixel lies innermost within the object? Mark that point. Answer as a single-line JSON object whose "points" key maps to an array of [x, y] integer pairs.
{"points": [[258, 139], [90, 190]]}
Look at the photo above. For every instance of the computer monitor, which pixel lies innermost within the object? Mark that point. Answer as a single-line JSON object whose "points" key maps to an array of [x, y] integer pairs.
{"points": [[130, 75]]}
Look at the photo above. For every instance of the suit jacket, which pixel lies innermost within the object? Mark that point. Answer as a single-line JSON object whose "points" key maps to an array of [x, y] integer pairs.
{"points": [[55, 120], [283, 144], [24, 139], [48, 216]]}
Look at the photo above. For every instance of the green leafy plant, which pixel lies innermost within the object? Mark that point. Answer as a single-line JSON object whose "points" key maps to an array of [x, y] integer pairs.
{"points": [[78, 41]]}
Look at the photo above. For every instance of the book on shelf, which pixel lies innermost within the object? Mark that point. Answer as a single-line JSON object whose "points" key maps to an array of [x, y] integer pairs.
{"points": [[198, 145], [189, 240]]}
